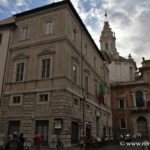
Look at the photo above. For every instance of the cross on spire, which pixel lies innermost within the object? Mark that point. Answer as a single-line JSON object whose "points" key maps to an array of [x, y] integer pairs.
{"points": [[105, 15]]}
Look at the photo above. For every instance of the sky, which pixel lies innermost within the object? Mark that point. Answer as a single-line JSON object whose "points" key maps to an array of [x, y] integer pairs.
{"points": [[129, 19]]}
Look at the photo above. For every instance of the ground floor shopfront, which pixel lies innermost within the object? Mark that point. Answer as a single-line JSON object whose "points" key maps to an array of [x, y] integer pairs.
{"points": [[61, 117]]}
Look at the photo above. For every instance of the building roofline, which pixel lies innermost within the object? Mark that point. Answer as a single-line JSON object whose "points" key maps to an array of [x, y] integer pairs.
{"points": [[7, 22], [61, 3], [130, 83]]}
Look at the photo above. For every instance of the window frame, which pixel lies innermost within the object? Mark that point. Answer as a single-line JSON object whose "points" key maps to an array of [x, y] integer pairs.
{"points": [[106, 46], [24, 35], [121, 98], [41, 64], [16, 104], [74, 35], [77, 105], [43, 102], [88, 107], [15, 70], [142, 98], [96, 90], [48, 30], [75, 76], [86, 83], [120, 125]]}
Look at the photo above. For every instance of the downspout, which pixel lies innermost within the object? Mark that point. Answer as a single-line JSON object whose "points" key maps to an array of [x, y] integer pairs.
{"points": [[82, 87]]}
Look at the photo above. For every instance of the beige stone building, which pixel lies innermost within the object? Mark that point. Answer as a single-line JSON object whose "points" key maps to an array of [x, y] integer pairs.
{"points": [[53, 72], [5, 31]]}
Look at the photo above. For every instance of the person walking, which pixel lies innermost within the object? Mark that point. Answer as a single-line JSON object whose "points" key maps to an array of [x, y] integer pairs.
{"points": [[14, 143], [37, 141], [22, 139]]}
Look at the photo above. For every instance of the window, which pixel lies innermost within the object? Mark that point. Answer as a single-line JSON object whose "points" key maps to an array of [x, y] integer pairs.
{"points": [[75, 70], [43, 98], [112, 46], [95, 63], [121, 102], [0, 38], [24, 33], [106, 46], [86, 83], [96, 92], [16, 100], [139, 98], [74, 35], [88, 107], [76, 101], [13, 126], [20, 71], [122, 123], [45, 68], [85, 50], [49, 27]]}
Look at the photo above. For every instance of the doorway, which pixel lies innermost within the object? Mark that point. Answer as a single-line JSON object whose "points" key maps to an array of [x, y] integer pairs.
{"points": [[88, 130], [14, 126], [42, 127], [142, 126], [74, 132]]}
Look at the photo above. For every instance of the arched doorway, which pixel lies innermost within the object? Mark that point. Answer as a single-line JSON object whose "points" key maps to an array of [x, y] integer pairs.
{"points": [[142, 126]]}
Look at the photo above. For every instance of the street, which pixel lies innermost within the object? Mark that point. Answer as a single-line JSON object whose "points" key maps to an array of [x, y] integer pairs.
{"points": [[118, 147], [112, 147], [107, 147]]}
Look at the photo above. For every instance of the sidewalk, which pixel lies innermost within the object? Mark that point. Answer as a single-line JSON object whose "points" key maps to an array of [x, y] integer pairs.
{"points": [[69, 148]]}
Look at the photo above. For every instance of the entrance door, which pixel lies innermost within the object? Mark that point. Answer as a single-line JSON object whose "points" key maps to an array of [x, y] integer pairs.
{"points": [[142, 126], [74, 132], [104, 132], [88, 130], [14, 126], [42, 127]]}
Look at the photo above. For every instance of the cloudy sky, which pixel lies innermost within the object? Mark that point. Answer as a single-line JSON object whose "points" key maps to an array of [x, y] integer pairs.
{"points": [[129, 19]]}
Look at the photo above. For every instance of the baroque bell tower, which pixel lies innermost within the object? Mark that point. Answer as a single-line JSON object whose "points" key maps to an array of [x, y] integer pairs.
{"points": [[108, 40]]}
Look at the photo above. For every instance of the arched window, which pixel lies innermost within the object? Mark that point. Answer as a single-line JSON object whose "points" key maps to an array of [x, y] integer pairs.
{"points": [[139, 98], [106, 46], [142, 126]]}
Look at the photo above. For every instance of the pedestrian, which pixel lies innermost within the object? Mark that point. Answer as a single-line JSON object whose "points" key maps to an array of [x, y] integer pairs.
{"points": [[14, 143], [22, 139], [82, 142], [37, 140]]}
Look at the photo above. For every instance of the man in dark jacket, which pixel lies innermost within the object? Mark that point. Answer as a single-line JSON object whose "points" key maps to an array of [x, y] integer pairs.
{"points": [[14, 144]]}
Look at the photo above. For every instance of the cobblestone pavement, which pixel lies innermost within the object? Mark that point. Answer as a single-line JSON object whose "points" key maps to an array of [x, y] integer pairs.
{"points": [[105, 147]]}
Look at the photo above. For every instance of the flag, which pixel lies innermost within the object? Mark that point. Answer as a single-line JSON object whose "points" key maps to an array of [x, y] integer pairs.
{"points": [[101, 93], [148, 103]]}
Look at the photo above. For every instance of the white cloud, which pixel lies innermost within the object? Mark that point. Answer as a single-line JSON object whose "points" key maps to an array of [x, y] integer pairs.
{"points": [[128, 19], [20, 3], [4, 3]]}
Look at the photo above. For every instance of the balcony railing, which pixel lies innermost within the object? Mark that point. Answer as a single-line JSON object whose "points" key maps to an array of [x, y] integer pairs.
{"points": [[140, 109]]}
